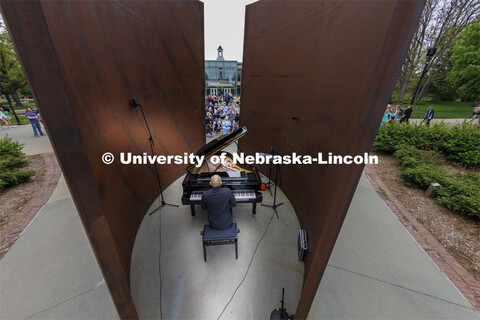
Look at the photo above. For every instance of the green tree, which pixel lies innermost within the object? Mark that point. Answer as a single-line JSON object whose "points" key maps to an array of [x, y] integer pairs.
{"points": [[440, 26], [11, 74], [465, 72]]}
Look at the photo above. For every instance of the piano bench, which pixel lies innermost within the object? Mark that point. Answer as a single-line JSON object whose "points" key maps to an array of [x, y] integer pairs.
{"points": [[215, 237]]}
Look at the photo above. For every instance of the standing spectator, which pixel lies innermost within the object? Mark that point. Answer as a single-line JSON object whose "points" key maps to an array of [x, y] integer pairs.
{"points": [[40, 119], [476, 114], [208, 121], [224, 108], [398, 113], [393, 116], [223, 113], [226, 126], [428, 116], [386, 116], [237, 111], [217, 126], [32, 117], [406, 115], [211, 128], [216, 113], [230, 114]]}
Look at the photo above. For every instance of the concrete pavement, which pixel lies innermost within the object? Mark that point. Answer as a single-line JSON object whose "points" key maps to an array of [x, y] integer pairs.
{"points": [[376, 270], [51, 272], [448, 121], [24, 134]]}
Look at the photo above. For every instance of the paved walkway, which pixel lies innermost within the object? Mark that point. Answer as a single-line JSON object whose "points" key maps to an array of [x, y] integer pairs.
{"points": [[50, 272], [376, 270], [449, 121], [24, 134], [12, 231], [462, 279]]}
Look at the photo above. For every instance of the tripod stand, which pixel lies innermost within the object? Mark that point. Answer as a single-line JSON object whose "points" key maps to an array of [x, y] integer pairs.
{"points": [[277, 173], [269, 183], [281, 313], [150, 140]]}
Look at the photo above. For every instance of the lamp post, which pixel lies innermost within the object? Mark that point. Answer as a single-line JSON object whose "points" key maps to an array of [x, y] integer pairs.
{"points": [[430, 53], [10, 104]]}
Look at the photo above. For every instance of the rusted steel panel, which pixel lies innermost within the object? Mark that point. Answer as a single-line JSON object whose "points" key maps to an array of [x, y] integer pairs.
{"points": [[85, 61], [332, 65]]}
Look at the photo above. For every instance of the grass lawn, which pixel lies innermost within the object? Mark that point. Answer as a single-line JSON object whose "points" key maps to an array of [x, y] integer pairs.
{"points": [[4, 102], [23, 120], [443, 109]]}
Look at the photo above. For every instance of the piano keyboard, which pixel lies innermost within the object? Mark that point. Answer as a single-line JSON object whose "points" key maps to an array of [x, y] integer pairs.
{"points": [[238, 194], [244, 194]]}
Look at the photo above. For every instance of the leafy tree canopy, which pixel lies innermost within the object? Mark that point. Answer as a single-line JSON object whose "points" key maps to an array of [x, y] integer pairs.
{"points": [[465, 72], [11, 73]]}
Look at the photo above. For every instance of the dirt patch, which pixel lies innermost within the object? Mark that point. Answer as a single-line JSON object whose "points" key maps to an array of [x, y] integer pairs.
{"points": [[460, 235], [20, 204], [14, 199]]}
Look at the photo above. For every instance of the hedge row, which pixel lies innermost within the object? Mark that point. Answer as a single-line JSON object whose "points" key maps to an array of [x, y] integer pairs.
{"points": [[11, 160], [458, 192], [460, 143]]}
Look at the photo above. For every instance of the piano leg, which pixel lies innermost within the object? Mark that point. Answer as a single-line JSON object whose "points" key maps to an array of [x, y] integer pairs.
{"points": [[192, 208], [254, 209]]}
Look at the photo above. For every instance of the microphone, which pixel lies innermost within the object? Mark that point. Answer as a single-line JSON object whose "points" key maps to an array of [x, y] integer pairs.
{"points": [[135, 103]]}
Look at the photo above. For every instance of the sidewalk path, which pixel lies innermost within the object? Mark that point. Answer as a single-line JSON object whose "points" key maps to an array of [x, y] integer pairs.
{"points": [[50, 272], [376, 270], [449, 121], [24, 134]]}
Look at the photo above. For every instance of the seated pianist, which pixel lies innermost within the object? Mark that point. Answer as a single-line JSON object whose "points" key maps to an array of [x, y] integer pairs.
{"points": [[219, 202], [244, 181]]}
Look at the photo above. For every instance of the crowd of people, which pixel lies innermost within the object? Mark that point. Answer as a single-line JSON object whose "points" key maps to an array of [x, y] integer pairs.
{"points": [[397, 115], [33, 117], [222, 114]]}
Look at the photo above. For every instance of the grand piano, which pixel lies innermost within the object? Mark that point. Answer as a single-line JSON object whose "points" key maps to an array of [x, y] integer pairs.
{"points": [[244, 180]]}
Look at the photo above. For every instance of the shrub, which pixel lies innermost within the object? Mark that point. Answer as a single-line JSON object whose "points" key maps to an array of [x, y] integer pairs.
{"points": [[458, 192], [459, 144], [10, 148], [11, 160]]}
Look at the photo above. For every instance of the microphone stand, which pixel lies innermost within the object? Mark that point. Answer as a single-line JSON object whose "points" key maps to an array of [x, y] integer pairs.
{"points": [[275, 205], [281, 313], [150, 140], [269, 183]]}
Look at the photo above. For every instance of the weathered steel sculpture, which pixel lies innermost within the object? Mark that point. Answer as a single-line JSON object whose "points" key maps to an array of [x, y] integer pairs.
{"points": [[317, 77], [85, 61]]}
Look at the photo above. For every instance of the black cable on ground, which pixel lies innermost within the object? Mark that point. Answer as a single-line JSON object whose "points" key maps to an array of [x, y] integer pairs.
{"points": [[248, 268], [159, 260]]}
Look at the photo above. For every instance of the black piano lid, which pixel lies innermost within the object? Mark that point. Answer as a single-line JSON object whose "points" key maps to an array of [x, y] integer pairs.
{"points": [[218, 144]]}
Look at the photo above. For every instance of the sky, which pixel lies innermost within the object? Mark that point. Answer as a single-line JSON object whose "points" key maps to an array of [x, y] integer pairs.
{"points": [[224, 25]]}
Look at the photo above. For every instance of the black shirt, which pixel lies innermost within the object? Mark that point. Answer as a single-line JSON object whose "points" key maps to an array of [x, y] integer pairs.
{"points": [[219, 202], [407, 113]]}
